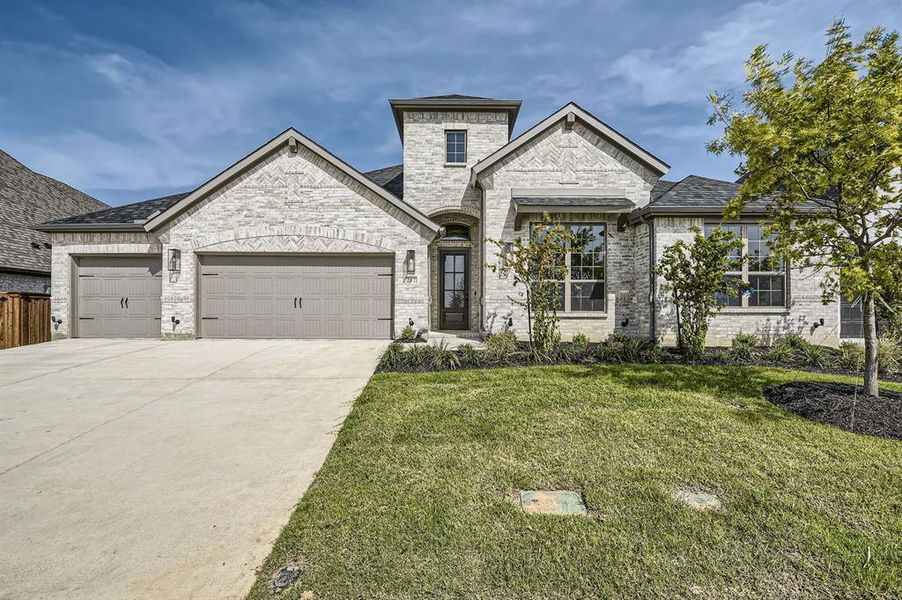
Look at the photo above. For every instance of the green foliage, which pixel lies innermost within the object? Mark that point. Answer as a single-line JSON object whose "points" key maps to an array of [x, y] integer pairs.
{"points": [[500, 346], [536, 265], [795, 341], [742, 346], [469, 355], [408, 334], [620, 348], [392, 357], [815, 356], [780, 352], [579, 347], [889, 354], [694, 274], [442, 358], [822, 142], [851, 356]]}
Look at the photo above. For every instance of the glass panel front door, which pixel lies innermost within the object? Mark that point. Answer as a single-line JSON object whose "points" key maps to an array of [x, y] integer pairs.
{"points": [[454, 294]]}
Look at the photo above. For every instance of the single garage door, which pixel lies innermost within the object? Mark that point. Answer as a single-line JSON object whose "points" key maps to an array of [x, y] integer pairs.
{"points": [[264, 296], [119, 296]]}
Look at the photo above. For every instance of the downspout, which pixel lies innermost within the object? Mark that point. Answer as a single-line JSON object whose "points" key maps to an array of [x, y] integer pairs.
{"points": [[652, 292], [482, 258]]}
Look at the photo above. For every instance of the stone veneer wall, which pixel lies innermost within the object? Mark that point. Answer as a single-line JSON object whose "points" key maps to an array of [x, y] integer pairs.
{"points": [[295, 202], [65, 245], [566, 159], [24, 283], [429, 184], [804, 310]]}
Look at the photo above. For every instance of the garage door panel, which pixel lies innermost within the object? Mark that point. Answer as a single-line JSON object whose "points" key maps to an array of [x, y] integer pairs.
{"points": [[119, 296], [303, 296]]}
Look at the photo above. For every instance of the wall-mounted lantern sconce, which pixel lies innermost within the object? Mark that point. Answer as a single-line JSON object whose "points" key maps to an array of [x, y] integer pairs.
{"points": [[410, 322], [410, 262], [175, 260], [510, 322]]}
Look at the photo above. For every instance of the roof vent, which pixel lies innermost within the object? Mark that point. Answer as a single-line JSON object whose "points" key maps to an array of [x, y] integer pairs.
{"points": [[571, 119]]}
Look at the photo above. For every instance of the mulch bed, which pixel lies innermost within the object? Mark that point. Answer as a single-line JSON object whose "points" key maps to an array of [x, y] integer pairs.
{"points": [[833, 403]]}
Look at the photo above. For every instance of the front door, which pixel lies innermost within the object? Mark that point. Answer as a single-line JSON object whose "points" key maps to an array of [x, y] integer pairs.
{"points": [[455, 296]]}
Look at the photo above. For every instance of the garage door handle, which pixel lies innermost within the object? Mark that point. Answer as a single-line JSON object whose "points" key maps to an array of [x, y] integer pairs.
{"points": [[121, 300], [126, 303], [295, 302], [301, 302]]}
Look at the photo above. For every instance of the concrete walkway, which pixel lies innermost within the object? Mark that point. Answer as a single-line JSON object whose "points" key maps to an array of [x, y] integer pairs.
{"points": [[150, 469]]}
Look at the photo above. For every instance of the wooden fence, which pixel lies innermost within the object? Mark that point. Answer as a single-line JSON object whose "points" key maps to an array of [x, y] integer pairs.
{"points": [[24, 319]]}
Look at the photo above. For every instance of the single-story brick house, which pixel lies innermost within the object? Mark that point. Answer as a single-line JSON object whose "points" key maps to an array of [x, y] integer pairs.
{"points": [[291, 241]]}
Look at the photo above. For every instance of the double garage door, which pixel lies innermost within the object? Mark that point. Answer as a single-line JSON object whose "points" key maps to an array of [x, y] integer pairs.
{"points": [[252, 296], [266, 296]]}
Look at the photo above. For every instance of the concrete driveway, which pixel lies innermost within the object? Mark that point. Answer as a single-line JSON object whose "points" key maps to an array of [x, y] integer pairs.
{"points": [[151, 469]]}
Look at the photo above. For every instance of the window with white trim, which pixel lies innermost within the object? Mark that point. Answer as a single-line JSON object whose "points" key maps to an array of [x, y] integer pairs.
{"points": [[756, 265], [456, 146], [583, 287]]}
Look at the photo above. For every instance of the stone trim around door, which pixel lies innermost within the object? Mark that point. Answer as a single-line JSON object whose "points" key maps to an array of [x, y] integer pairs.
{"points": [[474, 268]]}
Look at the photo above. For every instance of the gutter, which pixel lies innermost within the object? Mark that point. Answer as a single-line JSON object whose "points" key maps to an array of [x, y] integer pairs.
{"points": [[89, 227]]}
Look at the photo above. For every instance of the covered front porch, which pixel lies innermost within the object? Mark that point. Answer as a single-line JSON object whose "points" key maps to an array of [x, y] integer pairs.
{"points": [[455, 263]]}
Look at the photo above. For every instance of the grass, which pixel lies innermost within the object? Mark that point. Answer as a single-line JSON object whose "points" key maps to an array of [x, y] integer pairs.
{"points": [[412, 502]]}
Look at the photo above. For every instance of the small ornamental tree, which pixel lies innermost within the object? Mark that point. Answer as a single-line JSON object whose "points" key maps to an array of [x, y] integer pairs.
{"points": [[538, 266], [825, 143], [695, 277]]}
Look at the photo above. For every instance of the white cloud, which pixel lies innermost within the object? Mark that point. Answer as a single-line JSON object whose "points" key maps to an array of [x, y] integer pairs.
{"points": [[687, 75]]}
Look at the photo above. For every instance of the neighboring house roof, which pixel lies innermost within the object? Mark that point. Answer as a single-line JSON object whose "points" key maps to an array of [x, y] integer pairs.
{"points": [[454, 102], [391, 178], [600, 127], [288, 137], [126, 217], [26, 199]]}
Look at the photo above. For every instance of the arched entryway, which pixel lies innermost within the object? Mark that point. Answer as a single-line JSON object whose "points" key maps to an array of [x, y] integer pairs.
{"points": [[455, 259]]}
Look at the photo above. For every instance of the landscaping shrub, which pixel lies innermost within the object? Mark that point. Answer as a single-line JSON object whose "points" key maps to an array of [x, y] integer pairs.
{"points": [[469, 356], [500, 346], [815, 356], [408, 334], [851, 356], [392, 357], [795, 341], [579, 347], [889, 354], [442, 358], [743, 345], [780, 352]]}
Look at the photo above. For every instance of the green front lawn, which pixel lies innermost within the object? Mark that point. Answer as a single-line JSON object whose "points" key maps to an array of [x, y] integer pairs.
{"points": [[413, 500]]}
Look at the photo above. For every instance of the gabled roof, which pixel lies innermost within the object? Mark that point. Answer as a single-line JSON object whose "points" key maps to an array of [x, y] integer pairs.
{"points": [[280, 140], [391, 178], [128, 217], [454, 102], [696, 195], [26, 199], [591, 121]]}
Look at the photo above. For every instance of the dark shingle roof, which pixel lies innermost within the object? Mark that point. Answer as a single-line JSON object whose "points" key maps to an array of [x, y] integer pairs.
{"points": [[704, 193], [452, 97], [661, 187], [135, 213], [26, 199], [391, 178]]}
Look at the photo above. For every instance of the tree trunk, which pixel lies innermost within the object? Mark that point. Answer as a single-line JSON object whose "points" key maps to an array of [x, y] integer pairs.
{"points": [[870, 346]]}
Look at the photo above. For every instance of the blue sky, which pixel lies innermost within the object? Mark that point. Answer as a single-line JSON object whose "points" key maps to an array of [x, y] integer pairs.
{"points": [[131, 100]]}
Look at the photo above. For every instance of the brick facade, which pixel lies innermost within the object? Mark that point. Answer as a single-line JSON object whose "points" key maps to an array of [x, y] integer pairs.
{"points": [[298, 202]]}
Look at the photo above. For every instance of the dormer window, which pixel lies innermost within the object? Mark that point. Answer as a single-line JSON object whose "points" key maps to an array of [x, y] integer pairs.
{"points": [[456, 147]]}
